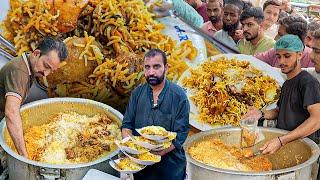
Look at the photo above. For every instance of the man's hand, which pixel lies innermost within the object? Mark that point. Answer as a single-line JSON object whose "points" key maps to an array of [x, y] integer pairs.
{"points": [[252, 113], [271, 146], [126, 132], [238, 34], [165, 151]]}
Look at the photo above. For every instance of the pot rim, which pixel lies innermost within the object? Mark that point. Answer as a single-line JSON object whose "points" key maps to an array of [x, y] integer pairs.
{"points": [[59, 166], [314, 150]]}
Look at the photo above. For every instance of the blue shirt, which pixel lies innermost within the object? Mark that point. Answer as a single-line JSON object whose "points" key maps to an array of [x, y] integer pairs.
{"points": [[172, 113]]}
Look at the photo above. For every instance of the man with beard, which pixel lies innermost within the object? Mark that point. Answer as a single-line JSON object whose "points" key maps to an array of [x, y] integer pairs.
{"points": [[162, 103], [298, 108], [230, 33], [294, 25], [16, 78], [214, 12], [255, 41]]}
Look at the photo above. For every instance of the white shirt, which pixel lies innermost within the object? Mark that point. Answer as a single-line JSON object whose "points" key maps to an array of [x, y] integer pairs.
{"points": [[224, 37]]}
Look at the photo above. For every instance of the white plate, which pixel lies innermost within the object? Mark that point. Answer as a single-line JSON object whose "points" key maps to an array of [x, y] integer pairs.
{"points": [[142, 162], [262, 66], [146, 144], [125, 148], [151, 137], [112, 164], [162, 147]]}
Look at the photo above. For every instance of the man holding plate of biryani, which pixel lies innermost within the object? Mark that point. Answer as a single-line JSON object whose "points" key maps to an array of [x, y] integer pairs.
{"points": [[162, 103]]}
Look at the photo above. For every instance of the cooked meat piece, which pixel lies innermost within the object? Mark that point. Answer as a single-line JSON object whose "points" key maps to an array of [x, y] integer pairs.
{"points": [[75, 69], [69, 11], [106, 147], [70, 153]]}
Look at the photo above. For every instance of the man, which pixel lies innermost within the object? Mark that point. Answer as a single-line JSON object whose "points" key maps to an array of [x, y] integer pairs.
{"points": [[315, 55], [295, 25], [255, 41], [311, 28], [200, 7], [298, 108], [182, 9], [214, 12], [230, 33], [16, 79], [271, 12], [162, 103]]}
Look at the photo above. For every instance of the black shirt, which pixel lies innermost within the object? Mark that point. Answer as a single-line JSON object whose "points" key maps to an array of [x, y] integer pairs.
{"points": [[296, 95]]}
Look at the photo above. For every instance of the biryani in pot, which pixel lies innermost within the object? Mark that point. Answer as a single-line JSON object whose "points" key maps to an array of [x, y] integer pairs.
{"points": [[223, 90], [71, 138], [213, 152]]}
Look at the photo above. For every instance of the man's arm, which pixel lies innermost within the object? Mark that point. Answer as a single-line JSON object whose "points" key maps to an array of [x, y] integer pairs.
{"points": [[308, 127], [271, 114], [14, 123], [256, 114], [129, 116]]}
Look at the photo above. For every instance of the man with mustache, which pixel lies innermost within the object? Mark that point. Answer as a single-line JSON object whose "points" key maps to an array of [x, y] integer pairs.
{"points": [[255, 41], [231, 32], [215, 13], [162, 103], [16, 78], [298, 108], [295, 25]]}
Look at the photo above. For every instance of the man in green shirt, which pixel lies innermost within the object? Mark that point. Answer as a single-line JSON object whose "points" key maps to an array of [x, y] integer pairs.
{"points": [[16, 79], [255, 41]]}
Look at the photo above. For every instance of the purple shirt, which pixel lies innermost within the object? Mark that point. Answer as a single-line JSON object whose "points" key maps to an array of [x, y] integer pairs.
{"points": [[270, 58], [202, 10]]}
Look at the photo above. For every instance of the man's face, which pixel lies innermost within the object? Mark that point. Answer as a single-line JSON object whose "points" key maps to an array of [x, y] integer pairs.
{"points": [[308, 40], [46, 63], [281, 32], [251, 28], [315, 54], [271, 14], [214, 11], [288, 61], [230, 14], [154, 70]]}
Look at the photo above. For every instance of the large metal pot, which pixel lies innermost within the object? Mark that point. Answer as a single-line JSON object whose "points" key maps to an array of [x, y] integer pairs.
{"points": [[284, 161], [39, 112]]}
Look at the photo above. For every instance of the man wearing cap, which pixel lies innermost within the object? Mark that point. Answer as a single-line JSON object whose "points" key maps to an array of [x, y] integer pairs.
{"points": [[298, 108]]}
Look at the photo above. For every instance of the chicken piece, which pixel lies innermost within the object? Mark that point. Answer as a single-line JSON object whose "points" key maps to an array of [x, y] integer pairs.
{"points": [[135, 63], [70, 11], [75, 69]]}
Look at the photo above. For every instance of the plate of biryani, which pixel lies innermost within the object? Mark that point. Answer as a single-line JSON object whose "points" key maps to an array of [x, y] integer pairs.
{"points": [[126, 165], [106, 41], [146, 143], [221, 89], [128, 145], [144, 159], [156, 133]]}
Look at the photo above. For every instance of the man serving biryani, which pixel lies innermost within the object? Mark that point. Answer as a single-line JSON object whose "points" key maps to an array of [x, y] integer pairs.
{"points": [[159, 102]]}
